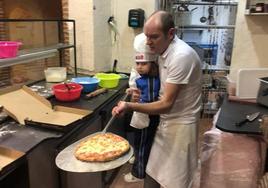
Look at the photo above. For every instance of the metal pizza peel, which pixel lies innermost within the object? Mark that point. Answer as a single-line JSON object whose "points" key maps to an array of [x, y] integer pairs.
{"points": [[66, 160]]}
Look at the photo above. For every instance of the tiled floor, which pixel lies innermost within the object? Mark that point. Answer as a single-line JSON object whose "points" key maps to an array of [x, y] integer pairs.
{"points": [[119, 180]]}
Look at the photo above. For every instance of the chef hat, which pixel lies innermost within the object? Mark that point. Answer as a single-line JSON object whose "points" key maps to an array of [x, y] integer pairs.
{"points": [[142, 50]]}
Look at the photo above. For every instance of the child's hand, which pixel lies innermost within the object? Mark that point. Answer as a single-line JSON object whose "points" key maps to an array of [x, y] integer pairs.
{"points": [[135, 94]]}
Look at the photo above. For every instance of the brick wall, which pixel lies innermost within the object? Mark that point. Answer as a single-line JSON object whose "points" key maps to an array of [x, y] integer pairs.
{"points": [[4, 72], [65, 15], [33, 71]]}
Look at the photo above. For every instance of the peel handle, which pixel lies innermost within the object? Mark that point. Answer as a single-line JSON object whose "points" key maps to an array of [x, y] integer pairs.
{"points": [[113, 117]]}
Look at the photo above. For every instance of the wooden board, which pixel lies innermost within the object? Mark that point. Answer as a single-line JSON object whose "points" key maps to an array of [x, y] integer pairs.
{"points": [[24, 104], [7, 156]]}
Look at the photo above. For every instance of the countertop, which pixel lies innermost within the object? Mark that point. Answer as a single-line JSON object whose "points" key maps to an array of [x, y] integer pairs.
{"points": [[25, 138], [232, 112]]}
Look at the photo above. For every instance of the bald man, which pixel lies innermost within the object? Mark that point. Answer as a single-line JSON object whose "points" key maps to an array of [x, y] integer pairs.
{"points": [[173, 157]]}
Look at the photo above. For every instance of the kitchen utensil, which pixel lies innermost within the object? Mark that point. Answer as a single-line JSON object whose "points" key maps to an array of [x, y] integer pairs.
{"points": [[249, 117], [113, 117], [194, 9], [108, 80], [115, 66], [211, 18], [67, 86], [66, 160], [203, 19], [89, 83], [69, 93], [96, 92]]}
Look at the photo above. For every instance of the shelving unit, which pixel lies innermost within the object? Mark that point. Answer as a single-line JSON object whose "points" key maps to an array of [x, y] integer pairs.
{"points": [[33, 54], [221, 3], [255, 14], [187, 24], [206, 27], [29, 55], [205, 42]]}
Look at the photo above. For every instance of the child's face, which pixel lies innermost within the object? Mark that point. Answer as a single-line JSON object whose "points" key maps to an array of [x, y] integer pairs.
{"points": [[143, 67]]}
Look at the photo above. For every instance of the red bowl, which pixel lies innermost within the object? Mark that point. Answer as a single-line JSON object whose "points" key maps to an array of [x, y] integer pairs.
{"points": [[62, 92]]}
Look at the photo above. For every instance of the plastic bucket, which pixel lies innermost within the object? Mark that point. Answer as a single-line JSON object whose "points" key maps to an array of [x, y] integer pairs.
{"points": [[108, 80], [67, 92], [89, 84], [9, 49]]}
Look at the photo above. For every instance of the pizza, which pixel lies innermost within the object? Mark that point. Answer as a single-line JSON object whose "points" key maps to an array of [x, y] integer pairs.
{"points": [[101, 147]]}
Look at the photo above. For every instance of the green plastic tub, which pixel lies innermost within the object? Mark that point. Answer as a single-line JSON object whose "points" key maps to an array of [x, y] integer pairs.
{"points": [[108, 80]]}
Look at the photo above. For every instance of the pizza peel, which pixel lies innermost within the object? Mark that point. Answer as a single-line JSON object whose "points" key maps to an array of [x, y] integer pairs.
{"points": [[66, 160]]}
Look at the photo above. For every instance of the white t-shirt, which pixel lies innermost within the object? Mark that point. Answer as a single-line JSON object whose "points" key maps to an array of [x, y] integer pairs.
{"points": [[180, 64]]}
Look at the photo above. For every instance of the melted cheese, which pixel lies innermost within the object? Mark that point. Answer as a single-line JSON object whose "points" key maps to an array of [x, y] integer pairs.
{"points": [[101, 145]]}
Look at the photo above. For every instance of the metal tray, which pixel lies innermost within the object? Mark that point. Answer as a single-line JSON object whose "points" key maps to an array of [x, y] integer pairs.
{"points": [[66, 160]]}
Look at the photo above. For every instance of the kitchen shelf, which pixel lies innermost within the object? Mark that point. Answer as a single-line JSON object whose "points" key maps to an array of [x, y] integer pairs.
{"points": [[206, 27], [227, 3], [248, 13], [214, 86], [215, 68], [30, 55]]}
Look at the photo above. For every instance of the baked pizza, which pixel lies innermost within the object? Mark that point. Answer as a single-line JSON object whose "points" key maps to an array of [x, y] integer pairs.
{"points": [[101, 147]]}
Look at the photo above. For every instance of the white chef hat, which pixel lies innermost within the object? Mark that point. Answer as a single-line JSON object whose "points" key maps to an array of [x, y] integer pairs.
{"points": [[142, 50]]}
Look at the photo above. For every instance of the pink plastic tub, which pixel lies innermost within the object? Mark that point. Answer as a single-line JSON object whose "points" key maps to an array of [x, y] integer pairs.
{"points": [[9, 49]]}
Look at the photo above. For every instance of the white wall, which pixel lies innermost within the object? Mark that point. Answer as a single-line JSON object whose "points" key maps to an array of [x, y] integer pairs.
{"points": [[122, 48], [82, 11], [96, 47], [250, 42], [101, 37]]}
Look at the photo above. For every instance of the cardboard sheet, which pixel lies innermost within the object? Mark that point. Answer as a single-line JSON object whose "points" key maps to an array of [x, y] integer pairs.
{"points": [[24, 104], [7, 156]]}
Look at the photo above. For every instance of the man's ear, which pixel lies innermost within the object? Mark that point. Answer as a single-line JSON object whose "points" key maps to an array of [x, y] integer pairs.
{"points": [[171, 33]]}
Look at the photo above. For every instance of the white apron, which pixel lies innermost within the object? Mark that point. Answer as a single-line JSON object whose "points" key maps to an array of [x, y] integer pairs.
{"points": [[173, 158], [139, 120]]}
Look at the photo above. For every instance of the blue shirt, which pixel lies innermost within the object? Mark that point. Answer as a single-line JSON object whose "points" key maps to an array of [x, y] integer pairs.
{"points": [[149, 87]]}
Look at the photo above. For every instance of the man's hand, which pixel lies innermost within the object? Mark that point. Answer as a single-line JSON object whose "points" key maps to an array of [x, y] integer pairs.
{"points": [[120, 109], [135, 94]]}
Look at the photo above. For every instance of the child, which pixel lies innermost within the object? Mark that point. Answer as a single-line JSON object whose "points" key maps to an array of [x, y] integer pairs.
{"points": [[145, 78]]}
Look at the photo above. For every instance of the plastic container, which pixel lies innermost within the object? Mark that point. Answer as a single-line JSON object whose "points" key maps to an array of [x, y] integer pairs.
{"points": [[108, 80], [231, 87], [55, 74], [89, 84], [183, 18], [9, 49], [67, 92]]}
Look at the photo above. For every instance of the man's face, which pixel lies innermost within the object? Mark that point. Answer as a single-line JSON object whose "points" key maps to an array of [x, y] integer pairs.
{"points": [[156, 39]]}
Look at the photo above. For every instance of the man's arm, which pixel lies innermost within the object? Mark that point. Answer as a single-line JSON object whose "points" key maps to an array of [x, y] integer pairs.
{"points": [[158, 107]]}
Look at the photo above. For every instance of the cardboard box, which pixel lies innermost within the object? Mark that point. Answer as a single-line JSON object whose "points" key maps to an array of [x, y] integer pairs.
{"points": [[7, 156], [25, 105]]}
